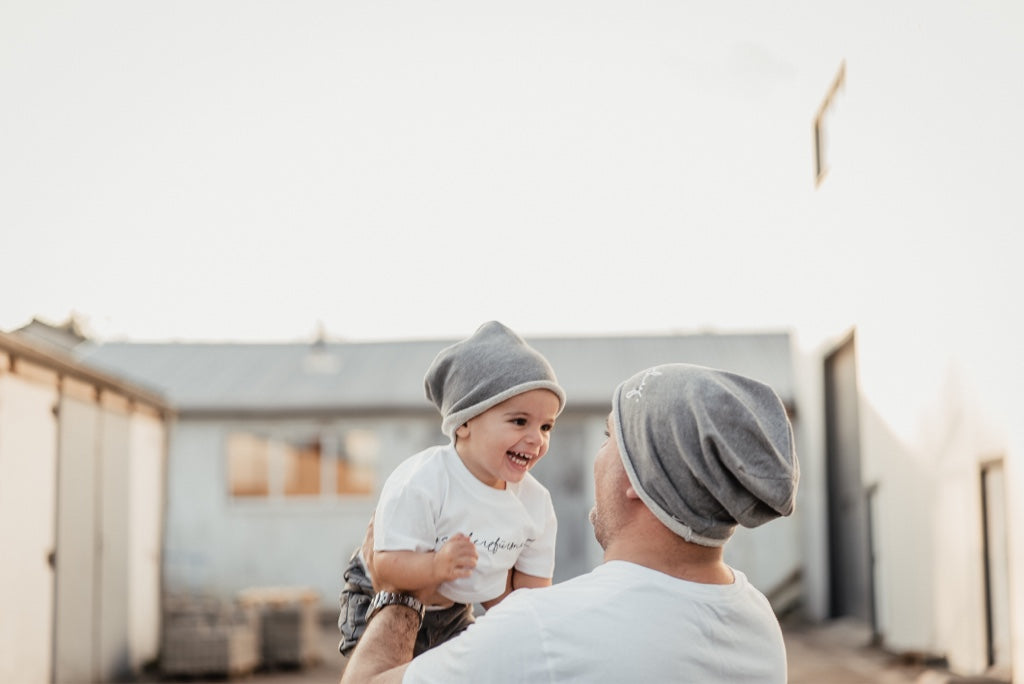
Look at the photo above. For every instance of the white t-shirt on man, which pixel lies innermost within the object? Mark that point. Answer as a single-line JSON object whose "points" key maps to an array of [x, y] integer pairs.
{"points": [[621, 622], [432, 495]]}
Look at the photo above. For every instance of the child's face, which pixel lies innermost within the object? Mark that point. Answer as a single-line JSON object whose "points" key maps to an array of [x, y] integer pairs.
{"points": [[505, 441]]}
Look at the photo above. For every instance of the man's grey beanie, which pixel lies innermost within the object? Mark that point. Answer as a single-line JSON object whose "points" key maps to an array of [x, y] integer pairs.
{"points": [[483, 370], [706, 449]]}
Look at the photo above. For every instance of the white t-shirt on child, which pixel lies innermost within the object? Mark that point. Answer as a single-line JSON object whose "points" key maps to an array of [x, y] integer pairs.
{"points": [[432, 495]]}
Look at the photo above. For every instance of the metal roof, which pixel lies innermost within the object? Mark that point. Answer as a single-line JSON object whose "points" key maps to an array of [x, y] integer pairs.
{"points": [[346, 376], [17, 347]]}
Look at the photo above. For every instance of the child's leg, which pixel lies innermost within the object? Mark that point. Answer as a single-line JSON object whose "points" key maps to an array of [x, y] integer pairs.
{"points": [[441, 625], [355, 598]]}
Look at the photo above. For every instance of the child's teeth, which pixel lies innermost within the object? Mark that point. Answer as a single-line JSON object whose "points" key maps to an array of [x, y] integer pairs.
{"points": [[522, 459]]}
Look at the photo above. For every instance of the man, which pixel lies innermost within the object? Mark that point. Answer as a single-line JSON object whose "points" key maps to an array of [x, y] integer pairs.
{"points": [[691, 453]]}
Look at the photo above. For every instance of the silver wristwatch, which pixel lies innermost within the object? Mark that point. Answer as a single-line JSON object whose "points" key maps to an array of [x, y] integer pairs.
{"points": [[390, 598]]}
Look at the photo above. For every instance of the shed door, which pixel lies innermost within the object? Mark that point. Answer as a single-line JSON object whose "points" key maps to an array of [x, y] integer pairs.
{"points": [[848, 523], [77, 541], [28, 464]]}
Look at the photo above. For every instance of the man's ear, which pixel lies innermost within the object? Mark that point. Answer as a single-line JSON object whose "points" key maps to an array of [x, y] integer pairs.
{"points": [[631, 493]]}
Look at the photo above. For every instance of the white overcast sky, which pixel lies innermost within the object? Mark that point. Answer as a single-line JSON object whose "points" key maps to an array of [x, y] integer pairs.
{"points": [[408, 168]]}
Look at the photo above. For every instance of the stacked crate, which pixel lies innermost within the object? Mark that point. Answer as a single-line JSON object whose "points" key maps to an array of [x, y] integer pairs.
{"points": [[204, 636], [289, 624]]}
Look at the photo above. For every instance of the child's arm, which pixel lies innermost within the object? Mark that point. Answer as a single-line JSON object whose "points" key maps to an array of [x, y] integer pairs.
{"points": [[518, 580], [414, 570]]}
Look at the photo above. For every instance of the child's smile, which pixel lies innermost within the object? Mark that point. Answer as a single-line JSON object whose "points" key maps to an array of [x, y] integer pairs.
{"points": [[520, 459]]}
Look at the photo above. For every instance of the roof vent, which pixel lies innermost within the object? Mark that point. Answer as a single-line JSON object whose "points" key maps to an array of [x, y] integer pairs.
{"points": [[319, 360]]}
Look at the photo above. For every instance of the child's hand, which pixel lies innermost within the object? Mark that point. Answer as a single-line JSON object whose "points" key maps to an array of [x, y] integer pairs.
{"points": [[455, 559]]}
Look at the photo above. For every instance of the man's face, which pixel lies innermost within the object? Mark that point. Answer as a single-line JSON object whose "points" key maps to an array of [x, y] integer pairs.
{"points": [[610, 484]]}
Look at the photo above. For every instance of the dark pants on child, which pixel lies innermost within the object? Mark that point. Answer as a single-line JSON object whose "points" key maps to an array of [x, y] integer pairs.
{"points": [[438, 625]]}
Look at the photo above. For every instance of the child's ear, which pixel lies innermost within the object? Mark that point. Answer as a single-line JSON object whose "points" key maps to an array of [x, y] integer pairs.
{"points": [[462, 432]]}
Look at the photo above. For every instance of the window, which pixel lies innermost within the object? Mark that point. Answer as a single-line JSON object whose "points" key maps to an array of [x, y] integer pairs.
{"points": [[316, 465], [248, 461], [820, 140], [355, 471], [301, 469]]}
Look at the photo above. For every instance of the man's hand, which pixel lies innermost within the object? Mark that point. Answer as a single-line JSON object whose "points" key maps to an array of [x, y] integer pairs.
{"points": [[455, 559]]}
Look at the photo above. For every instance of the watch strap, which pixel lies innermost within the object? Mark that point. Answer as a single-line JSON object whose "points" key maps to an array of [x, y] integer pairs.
{"points": [[391, 598]]}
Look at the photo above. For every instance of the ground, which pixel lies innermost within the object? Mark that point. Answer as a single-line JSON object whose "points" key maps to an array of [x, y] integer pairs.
{"points": [[838, 652]]}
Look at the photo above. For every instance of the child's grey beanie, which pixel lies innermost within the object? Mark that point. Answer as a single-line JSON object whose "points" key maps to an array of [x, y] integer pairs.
{"points": [[706, 449], [483, 370]]}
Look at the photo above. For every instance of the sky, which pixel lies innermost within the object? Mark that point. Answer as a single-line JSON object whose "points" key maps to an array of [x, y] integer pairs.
{"points": [[260, 171]]}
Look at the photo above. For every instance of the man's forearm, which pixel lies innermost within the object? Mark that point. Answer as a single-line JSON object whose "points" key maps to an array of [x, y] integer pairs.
{"points": [[386, 647]]}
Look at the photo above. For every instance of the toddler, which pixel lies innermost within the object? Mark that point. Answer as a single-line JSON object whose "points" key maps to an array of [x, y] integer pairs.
{"points": [[467, 517]]}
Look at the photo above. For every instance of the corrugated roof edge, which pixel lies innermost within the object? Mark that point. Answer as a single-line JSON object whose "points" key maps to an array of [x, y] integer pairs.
{"points": [[184, 372], [66, 365]]}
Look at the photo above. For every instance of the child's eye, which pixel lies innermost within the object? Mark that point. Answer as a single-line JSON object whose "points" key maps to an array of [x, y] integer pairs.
{"points": [[548, 427], [519, 421]]}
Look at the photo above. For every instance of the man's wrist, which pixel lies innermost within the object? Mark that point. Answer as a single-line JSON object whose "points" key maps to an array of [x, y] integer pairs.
{"points": [[382, 599], [389, 641]]}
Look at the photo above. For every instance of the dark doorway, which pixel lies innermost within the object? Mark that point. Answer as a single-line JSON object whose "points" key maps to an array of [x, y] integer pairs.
{"points": [[849, 528], [997, 564]]}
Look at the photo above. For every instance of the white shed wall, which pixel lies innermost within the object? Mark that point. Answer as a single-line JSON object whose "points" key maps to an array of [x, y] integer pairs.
{"points": [[73, 482], [812, 494], [115, 517], [28, 459], [936, 403], [926, 448], [147, 439]]}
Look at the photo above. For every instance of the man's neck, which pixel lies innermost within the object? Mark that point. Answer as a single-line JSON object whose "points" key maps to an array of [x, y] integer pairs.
{"points": [[672, 555]]}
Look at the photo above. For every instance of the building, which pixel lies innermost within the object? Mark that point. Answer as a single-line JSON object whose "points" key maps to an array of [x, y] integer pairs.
{"points": [[82, 459], [279, 450], [913, 422], [911, 461]]}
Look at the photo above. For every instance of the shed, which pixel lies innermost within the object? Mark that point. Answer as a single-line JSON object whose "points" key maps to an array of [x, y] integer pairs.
{"points": [[82, 472]]}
